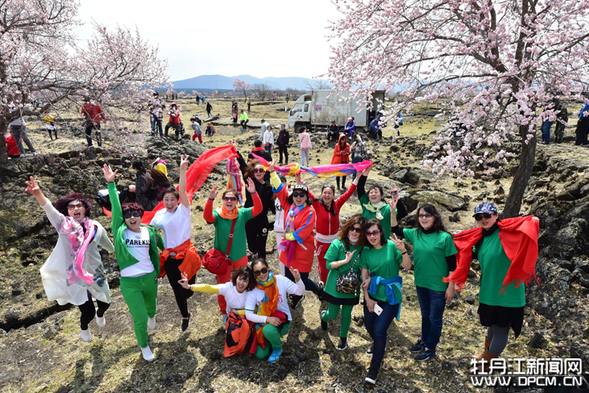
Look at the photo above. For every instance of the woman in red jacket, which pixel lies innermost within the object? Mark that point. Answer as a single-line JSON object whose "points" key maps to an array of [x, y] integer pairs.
{"points": [[298, 246], [341, 155]]}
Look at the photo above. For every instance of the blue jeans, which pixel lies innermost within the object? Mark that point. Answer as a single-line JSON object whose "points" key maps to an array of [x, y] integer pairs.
{"points": [[354, 161], [158, 122], [377, 326], [546, 131], [304, 157], [432, 305]]}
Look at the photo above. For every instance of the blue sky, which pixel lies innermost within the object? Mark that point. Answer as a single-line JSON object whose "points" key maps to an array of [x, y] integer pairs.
{"points": [[228, 37]]}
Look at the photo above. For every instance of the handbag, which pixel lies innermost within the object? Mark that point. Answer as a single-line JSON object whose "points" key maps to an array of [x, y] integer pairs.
{"points": [[348, 282], [215, 261]]}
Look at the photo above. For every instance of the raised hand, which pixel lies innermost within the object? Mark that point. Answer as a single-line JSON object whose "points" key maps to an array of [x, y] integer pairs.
{"points": [[399, 243], [32, 187], [295, 273], [251, 187], [109, 175], [214, 192], [183, 163], [272, 165], [184, 281]]}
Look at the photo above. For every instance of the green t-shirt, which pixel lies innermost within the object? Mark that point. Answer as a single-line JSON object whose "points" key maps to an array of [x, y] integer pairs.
{"points": [[335, 253], [429, 255], [384, 262], [223, 229], [385, 211], [494, 266]]}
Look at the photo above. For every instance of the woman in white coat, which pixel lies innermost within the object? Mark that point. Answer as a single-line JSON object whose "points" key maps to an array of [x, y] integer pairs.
{"points": [[74, 272]]}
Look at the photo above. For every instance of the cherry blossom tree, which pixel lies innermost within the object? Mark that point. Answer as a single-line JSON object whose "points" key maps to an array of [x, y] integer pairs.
{"points": [[41, 62], [498, 65], [241, 86]]}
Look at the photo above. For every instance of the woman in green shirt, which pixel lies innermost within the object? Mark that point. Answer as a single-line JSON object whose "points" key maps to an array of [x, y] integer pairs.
{"points": [[343, 255], [434, 256], [380, 263]]}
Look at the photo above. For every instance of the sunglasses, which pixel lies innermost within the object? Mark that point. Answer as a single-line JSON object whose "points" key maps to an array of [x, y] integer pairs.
{"points": [[356, 229], [298, 194], [229, 199], [133, 214], [260, 272], [73, 206], [259, 170], [373, 233], [480, 216], [426, 215]]}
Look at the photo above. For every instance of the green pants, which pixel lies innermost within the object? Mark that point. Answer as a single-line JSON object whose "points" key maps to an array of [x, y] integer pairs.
{"points": [[332, 313], [140, 294], [273, 339]]}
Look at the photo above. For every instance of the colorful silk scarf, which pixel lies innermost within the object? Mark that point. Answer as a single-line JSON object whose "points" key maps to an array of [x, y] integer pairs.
{"points": [[79, 242], [268, 305]]}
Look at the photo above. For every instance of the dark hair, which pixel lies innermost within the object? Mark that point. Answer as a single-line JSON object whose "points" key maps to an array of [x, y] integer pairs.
{"points": [[159, 178], [377, 187], [131, 207], [249, 172], [244, 272], [431, 209], [340, 140], [138, 165], [259, 260], [233, 191], [258, 143], [152, 156], [368, 224], [61, 204], [344, 232], [171, 190]]}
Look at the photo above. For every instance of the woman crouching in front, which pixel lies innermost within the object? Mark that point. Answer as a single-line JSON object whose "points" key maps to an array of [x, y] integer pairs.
{"points": [[267, 307]]}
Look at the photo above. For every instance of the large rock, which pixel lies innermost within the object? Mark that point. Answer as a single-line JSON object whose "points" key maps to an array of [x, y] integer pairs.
{"points": [[438, 198]]}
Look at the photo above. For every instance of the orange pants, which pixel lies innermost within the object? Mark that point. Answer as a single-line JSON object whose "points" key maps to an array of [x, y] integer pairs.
{"points": [[223, 278]]}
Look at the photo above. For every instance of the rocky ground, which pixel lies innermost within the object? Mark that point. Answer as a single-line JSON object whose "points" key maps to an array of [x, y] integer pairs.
{"points": [[40, 349]]}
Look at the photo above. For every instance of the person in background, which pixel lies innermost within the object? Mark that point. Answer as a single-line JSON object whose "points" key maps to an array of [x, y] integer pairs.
{"points": [[583, 124], [174, 121], [350, 128], [209, 108], [156, 115], [74, 272], [268, 141], [305, 145], [359, 151], [283, 141], [562, 117], [197, 130], [157, 163], [398, 123], [234, 111], [341, 155], [260, 151], [210, 130], [92, 114], [145, 193], [332, 132], [50, 124], [263, 129], [243, 119]]}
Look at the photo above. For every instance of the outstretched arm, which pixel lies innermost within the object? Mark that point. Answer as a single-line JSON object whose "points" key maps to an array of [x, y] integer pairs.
{"points": [[182, 186], [34, 189]]}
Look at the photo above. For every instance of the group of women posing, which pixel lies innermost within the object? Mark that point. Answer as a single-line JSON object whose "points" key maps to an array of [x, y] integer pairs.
{"points": [[74, 272]]}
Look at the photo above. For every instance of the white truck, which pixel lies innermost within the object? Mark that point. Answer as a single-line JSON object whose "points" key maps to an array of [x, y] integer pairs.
{"points": [[317, 110]]}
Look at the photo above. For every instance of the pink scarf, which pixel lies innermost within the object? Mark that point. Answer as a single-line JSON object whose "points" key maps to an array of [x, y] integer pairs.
{"points": [[78, 244], [234, 182], [289, 245]]}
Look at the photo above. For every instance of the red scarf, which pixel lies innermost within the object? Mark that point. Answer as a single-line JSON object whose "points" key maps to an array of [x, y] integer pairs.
{"points": [[519, 238]]}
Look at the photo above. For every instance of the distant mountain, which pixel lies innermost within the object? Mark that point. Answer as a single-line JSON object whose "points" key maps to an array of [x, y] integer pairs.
{"points": [[225, 82]]}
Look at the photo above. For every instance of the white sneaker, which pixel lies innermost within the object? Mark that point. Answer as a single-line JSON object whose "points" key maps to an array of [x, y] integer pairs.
{"points": [[85, 334], [151, 323], [147, 354], [100, 321]]}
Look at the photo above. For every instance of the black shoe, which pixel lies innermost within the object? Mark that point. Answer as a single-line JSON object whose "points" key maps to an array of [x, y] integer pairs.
{"points": [[370, 350], [343, 343], [424, 355], [323, 323], [371, 377], [418, 347], [320, 288], [186, 322], [295, 301]]}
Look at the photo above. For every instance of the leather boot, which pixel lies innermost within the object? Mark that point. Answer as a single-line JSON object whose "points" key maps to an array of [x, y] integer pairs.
{"points": [[483, 367], [480, 355]]}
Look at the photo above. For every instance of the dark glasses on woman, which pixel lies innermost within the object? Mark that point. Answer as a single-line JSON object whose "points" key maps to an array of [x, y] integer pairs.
{"points": [[356, 229], [480, 216], [133, 214], [298, 194], [73, 206], [259, 170], [229, 199], [426, 215], [264, 270], [373, 233]]}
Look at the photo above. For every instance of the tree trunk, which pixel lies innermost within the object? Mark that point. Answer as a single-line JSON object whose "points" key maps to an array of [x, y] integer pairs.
{"points": [[527, 159]]}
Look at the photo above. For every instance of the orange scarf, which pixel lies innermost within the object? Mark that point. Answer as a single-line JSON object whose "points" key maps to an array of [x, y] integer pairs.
{"points": [[228, 215], [186, 251]]}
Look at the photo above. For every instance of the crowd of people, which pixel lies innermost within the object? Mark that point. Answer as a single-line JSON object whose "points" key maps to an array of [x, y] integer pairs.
{"points": [[360, 257]]}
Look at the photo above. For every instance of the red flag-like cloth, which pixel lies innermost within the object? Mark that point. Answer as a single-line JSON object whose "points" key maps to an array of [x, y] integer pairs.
{"points": [[519, 238], [196, 175]]}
